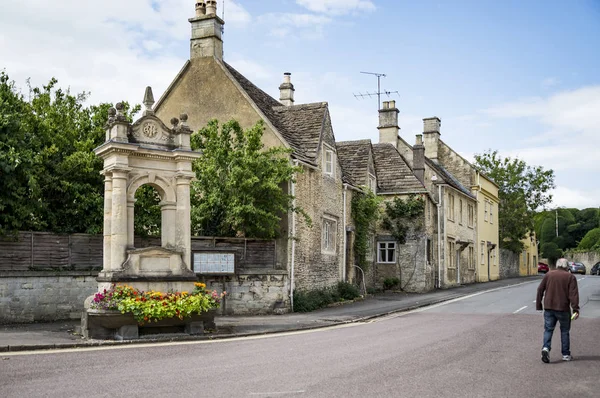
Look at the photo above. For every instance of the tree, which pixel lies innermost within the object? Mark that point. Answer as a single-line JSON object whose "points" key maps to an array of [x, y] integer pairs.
{"points": [[523, 189], [551, 251], [403, 217], [49, 176], [591, 240], [240, 186]]}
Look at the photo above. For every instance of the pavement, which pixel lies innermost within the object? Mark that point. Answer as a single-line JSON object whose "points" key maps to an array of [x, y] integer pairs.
{"points": [[64, 334]]}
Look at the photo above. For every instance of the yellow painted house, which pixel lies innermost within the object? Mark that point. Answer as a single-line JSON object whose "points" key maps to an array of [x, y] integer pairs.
{"points": [[488, 250], [528, 259]]}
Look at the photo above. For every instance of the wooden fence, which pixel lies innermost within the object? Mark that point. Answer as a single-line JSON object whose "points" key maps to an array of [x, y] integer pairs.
{"points": [[43, 250]]}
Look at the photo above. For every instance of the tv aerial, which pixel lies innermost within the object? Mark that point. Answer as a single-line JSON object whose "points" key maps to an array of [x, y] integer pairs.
{"points": [[378, 92]]}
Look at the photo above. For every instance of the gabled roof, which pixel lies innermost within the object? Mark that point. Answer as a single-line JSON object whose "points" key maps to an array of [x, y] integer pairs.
{"points": [[393, 173], [354, 161], [447, 177], [300, 125]]}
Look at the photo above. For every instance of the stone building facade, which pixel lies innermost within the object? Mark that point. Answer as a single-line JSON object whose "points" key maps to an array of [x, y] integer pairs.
{"points": [[312, 255]]}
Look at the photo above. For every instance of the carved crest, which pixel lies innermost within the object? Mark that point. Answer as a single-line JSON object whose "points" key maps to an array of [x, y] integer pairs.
{"points": [[151, 130]]}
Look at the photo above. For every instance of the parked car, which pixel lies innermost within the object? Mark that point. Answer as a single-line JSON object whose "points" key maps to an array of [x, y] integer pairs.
{"points": [[595, 269], [542, 268], [576, 268]]}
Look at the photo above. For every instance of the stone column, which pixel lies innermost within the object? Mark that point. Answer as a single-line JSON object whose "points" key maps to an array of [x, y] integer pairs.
{"points": [[184, 230], [119, 234], [130, 223], [169, 220], [106, 266]]}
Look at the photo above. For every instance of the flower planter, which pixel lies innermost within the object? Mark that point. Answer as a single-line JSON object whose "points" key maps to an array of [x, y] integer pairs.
{"points": [[113, 325]]}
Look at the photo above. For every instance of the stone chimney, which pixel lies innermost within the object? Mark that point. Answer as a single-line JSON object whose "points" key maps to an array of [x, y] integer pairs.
{"points": [[286, 90], [388, 123], [207, 29], [419, 159], [431, 136]]}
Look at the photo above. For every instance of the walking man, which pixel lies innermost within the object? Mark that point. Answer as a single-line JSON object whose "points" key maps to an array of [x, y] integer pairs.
{"points": [[560, 294]]}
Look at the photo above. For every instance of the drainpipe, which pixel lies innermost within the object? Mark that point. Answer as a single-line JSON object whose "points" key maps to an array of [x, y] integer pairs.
{"points": [[439, 206], [445, 238], [293, 230], [344, 233]]}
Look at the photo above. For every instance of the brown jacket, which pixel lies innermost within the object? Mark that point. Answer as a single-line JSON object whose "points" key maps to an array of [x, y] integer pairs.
{"points": [[561, 291]]}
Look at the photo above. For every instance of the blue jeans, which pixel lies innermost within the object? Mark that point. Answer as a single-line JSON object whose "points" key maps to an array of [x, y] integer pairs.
{"points": [[550, 319]]}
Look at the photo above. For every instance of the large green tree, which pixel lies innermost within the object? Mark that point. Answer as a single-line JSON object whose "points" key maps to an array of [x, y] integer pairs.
{"points": [[49, 176], [240, 187], [523, 189]]}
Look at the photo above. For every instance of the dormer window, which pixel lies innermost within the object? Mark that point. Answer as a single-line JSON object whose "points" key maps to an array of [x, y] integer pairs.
{"points": [[329, 161], [372, 183]]}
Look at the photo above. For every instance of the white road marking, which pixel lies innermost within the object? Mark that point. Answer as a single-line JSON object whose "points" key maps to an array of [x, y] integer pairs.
{"points": [[278, 393], [534, 301], [520, 309]]}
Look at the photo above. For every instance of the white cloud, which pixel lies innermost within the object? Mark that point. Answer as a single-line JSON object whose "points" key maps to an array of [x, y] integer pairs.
{"points": [[550, 82], [337, 7], [581, 199], [282, 25]]}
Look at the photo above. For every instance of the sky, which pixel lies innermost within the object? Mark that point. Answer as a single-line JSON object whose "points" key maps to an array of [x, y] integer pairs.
{"points": [[520, 77]]}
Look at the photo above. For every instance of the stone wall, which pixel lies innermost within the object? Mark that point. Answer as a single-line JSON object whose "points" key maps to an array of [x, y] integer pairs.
{"points": [[252, 292], [38, 296], [509, 264], [587, 258]]}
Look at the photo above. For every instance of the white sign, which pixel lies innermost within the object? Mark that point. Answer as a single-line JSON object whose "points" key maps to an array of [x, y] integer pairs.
{"points": [[214, 263]]}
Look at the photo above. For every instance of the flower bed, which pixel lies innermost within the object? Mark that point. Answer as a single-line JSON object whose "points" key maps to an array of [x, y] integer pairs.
{"points": [[147, 307]]}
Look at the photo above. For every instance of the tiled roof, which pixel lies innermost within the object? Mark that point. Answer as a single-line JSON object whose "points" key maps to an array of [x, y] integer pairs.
{"points": [[447, 177], [354, 161], [300, 125], [393, 173]]}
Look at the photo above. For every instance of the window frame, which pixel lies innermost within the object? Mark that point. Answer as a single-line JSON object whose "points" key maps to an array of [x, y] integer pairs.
{"points": [[329, 233], [483, 252], [491, 212], [452, 254], [393, 247], [327, 150], [485, 214], [450, 206], [372, 183], [471, 259], [460, 212]]}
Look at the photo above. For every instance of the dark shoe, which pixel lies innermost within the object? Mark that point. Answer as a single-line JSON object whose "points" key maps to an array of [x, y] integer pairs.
{"points": [[545, 355]]}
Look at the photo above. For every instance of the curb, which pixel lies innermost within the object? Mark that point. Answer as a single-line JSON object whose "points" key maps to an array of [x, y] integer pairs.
{"points": [[110, 343]]}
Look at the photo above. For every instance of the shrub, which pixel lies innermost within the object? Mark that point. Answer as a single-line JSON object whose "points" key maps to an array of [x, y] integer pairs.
{"points": [[390, 283], [591, 239], [311, 300]]}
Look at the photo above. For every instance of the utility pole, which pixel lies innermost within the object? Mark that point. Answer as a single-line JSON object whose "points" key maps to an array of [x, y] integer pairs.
{"points": [[379, 92], [556, 211]]}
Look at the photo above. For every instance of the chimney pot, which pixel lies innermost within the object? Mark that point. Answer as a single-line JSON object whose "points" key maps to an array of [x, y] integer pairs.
{"points": [[286, 90], [392, 104], [386, 105], [200, 8], [211, 7], [419, 139]]}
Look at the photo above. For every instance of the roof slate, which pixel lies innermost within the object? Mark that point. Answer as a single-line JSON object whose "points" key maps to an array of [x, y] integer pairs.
{"points": [[448, 177], [354, 160], [393, 173], [300, 125]]}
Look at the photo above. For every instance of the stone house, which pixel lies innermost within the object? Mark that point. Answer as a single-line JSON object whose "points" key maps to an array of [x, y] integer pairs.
{"points": [[528, 258], [208, 88], [455, 205]]}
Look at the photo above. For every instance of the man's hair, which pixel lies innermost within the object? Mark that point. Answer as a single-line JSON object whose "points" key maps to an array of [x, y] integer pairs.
{"points": [[562, 263]]}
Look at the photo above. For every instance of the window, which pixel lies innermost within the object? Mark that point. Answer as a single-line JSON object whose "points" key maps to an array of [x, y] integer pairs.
{"points": [[386, 252], [491, 212], [372, 183], [485, 215], [329, 163], [471, 215], [329, 236], [482, 252], [450, 207], [471, 259], [460, 212], [451, 254]]}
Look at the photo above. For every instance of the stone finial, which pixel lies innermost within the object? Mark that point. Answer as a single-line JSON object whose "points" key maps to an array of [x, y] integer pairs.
{"points": [[211, 7], [148, 101], [112, 112], [183, 117], [174, 122], [200, 8]]}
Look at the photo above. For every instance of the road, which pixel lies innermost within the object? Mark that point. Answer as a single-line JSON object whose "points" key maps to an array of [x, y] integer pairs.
{"points": [[485, 345]]}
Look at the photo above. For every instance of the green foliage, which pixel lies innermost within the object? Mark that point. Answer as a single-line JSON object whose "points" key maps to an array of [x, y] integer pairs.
{"points": [[390, 283], [523, 189], [403, 217], [591, 240], [49, 177], [551, 251], [153, 306], [311, 300], [147, 212], [573, 225], [365, 213], [240, 186]]}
